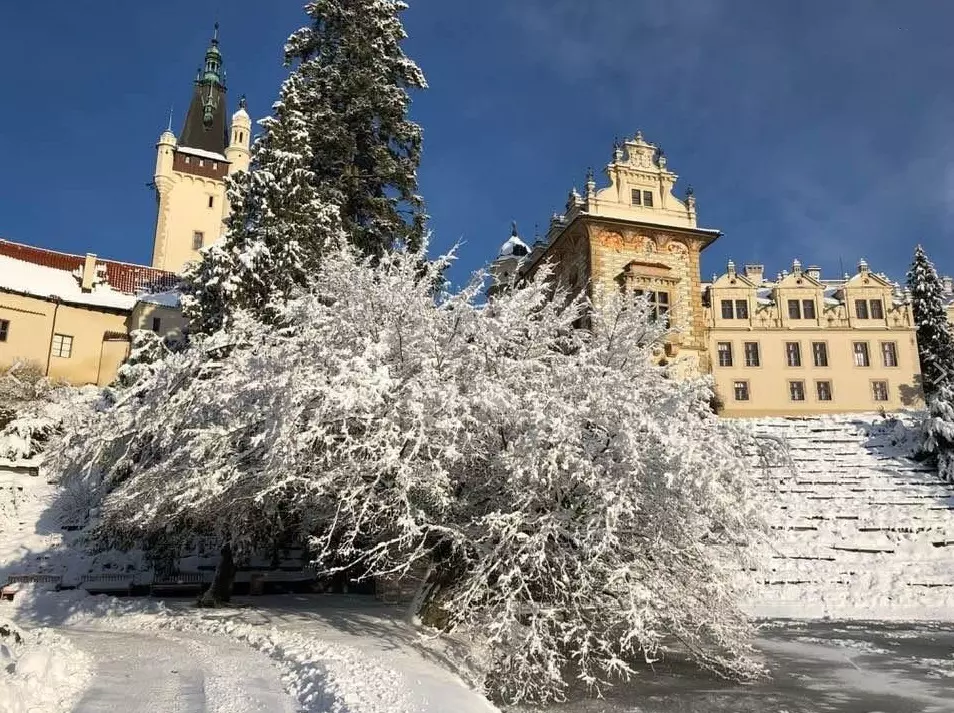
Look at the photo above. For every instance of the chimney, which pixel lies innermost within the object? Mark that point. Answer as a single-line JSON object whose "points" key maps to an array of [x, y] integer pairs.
{"points": [[89, 273], [730, 269], [863, 266], [755, 273], [814, 272], [796, 267]]}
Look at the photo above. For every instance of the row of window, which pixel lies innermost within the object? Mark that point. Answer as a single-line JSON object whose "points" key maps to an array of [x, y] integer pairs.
{"points": [[803, 309], [643, 198], [793, 354], [823, 390]]}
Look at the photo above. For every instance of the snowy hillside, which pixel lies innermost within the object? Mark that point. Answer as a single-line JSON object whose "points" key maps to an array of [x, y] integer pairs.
{"points": [[861, 530]]}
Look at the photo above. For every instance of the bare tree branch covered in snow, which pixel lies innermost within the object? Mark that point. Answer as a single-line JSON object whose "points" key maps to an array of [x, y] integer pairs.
{"points": [[569, 497]]}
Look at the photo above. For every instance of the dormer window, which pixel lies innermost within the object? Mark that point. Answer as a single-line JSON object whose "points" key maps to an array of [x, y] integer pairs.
{"points": [[648, 199], [643, 198], [637, 196]]}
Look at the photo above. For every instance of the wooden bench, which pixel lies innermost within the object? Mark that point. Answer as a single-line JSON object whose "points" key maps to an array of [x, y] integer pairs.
{"points": [[16, 581], [191, 582], [102, 583]]}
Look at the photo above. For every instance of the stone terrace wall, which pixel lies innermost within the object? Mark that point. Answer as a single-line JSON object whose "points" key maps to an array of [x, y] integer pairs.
{"points": [[861, 530]]}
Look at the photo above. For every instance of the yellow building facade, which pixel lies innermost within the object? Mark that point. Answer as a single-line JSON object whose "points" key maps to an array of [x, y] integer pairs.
{"points": [[191, 169], [801, 345], [796, 345], [70, 316]]}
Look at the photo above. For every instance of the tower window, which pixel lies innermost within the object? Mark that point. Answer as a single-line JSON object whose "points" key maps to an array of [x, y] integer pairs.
{"points": [[211, 201], [879, 389], [198, 238]]}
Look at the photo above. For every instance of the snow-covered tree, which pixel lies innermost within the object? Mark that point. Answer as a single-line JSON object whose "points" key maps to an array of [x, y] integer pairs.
{"points": [[338, 150], [576, 507], [937, 430], [935, 340]]}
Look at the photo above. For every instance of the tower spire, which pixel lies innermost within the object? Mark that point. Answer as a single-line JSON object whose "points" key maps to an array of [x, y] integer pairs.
{"points": [[206, 124]]}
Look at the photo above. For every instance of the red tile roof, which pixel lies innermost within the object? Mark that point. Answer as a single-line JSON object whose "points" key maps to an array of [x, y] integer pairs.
{"points": [[122, 276]]}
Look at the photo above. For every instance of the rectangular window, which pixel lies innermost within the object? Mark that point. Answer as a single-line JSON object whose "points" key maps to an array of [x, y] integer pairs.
{"points": [[793, 353], [861, 354], [752, 354], [794, 309], [658, 304], [823, 389], [726, 309], [879, 389], [201, 162], [808, 309], [742, 309], [861, 309], [156, 323], [648, 199], [877, 309], [889, 354], [62, 346], [741, 389], [796, 390], [637, 196], [4, 329], [211, 201], [820, 353], [724, 350], [198, 238]]}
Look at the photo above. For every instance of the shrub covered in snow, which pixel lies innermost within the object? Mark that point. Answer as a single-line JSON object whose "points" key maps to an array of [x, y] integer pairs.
{"points": [[32, 409], [567, 495]]}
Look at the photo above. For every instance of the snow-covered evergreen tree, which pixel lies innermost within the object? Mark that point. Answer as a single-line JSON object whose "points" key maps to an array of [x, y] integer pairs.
{"points": [[935, 340], [338, 151], [569, 498], [937, 430]]}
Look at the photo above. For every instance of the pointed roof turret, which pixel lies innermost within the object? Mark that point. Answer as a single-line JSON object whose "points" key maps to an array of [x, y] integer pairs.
{"points": [[514, 247], [206, 124]]}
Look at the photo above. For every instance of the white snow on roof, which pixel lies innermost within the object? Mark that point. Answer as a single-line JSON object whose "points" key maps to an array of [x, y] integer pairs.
{"points": [[513, 245], [46, 282], [169, 298], [202, 153]]}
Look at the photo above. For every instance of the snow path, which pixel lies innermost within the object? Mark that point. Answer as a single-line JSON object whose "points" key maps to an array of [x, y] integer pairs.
{"points": [[176, 672]]}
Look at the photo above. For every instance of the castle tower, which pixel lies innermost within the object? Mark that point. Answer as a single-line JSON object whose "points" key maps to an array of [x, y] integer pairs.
{"points": [[191, 169]]}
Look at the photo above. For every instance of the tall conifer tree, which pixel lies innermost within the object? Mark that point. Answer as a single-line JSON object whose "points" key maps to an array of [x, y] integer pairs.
{"points": [[338, 154], [935, 340]]}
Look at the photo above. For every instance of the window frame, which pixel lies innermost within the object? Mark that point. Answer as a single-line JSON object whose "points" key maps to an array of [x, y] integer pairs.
{"points": [[894, 354], [861, 305], [211, 201], [61, 346], [636, 196], [745, 388], [871, 308], [156, 324], [648, 199], [818, 395], [797, 353], [720, 352], [815, 360], [791, 390], [874, 390], [855, 354], [731, 305], [4, 329], [797, 304], [744, 312], [758, 355], [198, 239], [810, 304]]}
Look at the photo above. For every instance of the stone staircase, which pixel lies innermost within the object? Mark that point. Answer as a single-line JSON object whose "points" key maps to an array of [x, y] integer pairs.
{"points": [[860, 529]]}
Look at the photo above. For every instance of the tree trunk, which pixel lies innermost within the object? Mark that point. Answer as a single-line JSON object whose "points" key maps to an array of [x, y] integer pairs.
{"points": [[220, 591]]}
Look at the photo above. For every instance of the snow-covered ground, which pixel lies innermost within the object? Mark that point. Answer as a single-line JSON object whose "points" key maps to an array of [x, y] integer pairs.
{"points": [[40, 671]]}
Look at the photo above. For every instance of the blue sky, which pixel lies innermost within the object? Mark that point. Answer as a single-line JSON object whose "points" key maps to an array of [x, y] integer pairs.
{"points": [[808, 128]]}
